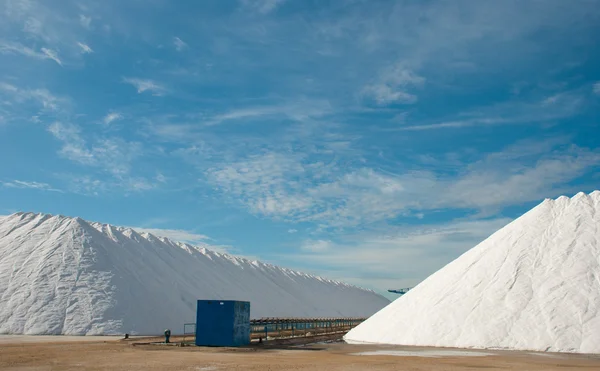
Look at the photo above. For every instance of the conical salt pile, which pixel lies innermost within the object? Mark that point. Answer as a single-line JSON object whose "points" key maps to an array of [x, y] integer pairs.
{"points": [[533, 285]]}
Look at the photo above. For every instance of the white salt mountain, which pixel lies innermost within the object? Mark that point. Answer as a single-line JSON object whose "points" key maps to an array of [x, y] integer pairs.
{"points": [[62, 275], [532, 285]]}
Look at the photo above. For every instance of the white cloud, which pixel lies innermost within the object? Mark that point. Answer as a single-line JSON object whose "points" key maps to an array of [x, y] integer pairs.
{"points": [[136, 184], [92, 185], [85, 49], [292, 188], [298, 111], [262, 6], [263, 181], [548, 109], [443, 34], [160, 178], [447, 125], [30, 185], [113, 155], [400, 75], [292, 231], [8, 88], [86, 184], [33, 27], [551, 100], [317, 246], [384, 95], [241, 114], [143, 85], [96, 185], [179, 44], [42, 96], [392, 85], [74, 147], [11, 48], [55, 28], [51, 54], [398, 257], [285, 186], [596, 88], [113, 116], [499, 180], [85, 21]]}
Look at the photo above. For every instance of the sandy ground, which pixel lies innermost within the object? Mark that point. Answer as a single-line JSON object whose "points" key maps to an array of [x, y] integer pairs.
{"points": [[107, 354]]}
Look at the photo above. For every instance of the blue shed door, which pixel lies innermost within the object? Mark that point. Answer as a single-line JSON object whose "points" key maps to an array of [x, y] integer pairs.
{"points": [[214, 323]]}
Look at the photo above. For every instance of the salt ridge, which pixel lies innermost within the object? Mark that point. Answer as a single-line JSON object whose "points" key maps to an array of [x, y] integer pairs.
{"points": [[62, 275], [532, 285]]}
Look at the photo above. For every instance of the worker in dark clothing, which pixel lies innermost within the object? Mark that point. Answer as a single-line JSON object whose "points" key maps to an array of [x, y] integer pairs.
{"points": [[167, 335]]}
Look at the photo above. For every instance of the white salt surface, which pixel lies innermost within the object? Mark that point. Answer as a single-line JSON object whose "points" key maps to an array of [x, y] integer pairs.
{"points": [[61, 275], [533, 285], [425, 353], [21, 339]]}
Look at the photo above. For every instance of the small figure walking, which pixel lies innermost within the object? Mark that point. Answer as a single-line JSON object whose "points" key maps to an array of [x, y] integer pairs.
{"points": [[167, 335]]}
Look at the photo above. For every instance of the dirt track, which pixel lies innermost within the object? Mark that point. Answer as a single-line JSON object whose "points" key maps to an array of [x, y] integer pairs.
{"points": [[116, 355]]}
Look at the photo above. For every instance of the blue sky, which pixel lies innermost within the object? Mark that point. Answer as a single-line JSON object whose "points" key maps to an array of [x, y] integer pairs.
{"points": [[369, 141]]}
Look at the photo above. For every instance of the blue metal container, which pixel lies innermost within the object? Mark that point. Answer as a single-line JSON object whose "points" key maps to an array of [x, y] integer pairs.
{"points": [[224, 323]]}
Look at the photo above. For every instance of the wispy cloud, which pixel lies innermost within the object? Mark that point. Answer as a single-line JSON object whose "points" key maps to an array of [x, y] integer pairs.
{"points": [[33, 27], [298, 111], [52, 31], [113, 155], [30, 185], [146, 85], [520, 174], [42, 96], [547, 109], [241, 114], [98, 185], [8, 88], [316, 246], [399, 257], [51, 54], [74, 147], [596, 88], [45, 53], [446, 34], [180, 45], [392, 85], [289, 187], [112, 116], [385, 94], [263, 182], [85, 49], [262, 6], [134, 183], [86, 184], [85, 21]]}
